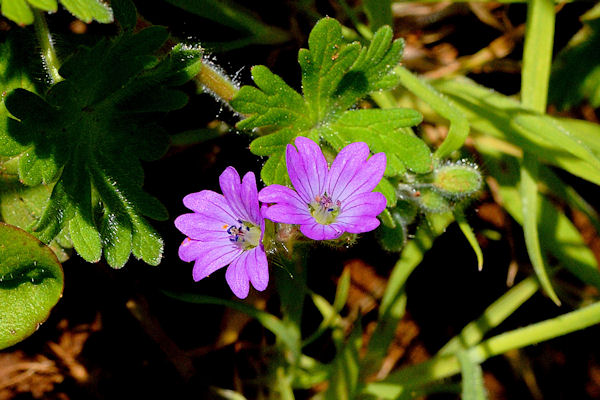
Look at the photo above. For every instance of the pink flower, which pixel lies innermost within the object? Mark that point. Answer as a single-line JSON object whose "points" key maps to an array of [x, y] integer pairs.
{"points": [[326, 201], [226, 230]]}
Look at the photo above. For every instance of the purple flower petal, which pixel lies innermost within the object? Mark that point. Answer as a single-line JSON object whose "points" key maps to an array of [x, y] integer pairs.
{"points": [[237, 278], [358, 223], [249, 195], [201, 227], [189, 250], [315, 164], [318, 231], [349, 161], [211, 204], [232, 189], [366, 179], [281, 194], [214, 255], [257, 268], [289, 214], [307, 168], [371, 204]]}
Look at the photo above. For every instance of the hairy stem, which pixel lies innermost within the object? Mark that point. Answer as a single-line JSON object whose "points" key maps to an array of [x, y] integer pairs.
{"points": [[49, 57], [215, 81]]}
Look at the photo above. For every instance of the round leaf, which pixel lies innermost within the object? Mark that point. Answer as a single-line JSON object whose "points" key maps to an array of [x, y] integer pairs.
{"points": [[31, 283]]}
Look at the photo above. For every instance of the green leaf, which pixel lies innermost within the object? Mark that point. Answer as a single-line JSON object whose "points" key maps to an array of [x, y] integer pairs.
{"points": [[466, 229], [15, 72], [343, 383], [335, 75], [472, 378], [23, 206], [459, 126], [20, 205], [393, 238], [558, 235], [382, 131], [89, 134], [576, 70], [17, 11], [502, 117], [529, 209], [330, 312], [89, 10], [379, 13], [447, 365], [31, 283], [125, 13], [20, 11]]}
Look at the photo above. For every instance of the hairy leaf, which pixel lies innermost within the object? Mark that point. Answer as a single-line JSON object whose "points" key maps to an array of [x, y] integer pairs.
{"points": [[335, 76], [87, 137], [20, 11]]}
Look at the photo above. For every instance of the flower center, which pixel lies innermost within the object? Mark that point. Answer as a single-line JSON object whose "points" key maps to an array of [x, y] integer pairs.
{"points": [[246, 235], [324, 210]]}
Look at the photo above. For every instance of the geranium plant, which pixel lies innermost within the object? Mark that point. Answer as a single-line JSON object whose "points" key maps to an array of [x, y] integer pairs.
{"points": [[340, 160]]}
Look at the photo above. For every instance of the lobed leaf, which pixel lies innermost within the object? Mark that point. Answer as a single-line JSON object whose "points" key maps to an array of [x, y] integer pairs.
{"points": [[335, 76], [87, 137]]}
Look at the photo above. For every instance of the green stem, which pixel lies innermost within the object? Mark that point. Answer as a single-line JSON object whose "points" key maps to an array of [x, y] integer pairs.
{"points": [[215, 81], [51, 62], [448, 365]]}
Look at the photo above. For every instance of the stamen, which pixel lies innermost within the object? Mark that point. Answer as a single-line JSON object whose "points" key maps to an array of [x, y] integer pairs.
{"points": [[324, 209], [246, 235]]}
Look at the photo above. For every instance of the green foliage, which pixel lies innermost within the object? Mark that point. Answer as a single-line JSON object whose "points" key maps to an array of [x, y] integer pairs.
{"points": [[574, 150], [459, 126], [21, 11], [393, 238], [335, 76], [86, 137], [576, 71], [31, 283], [343, 382], [559, 237], [472, 382]]}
